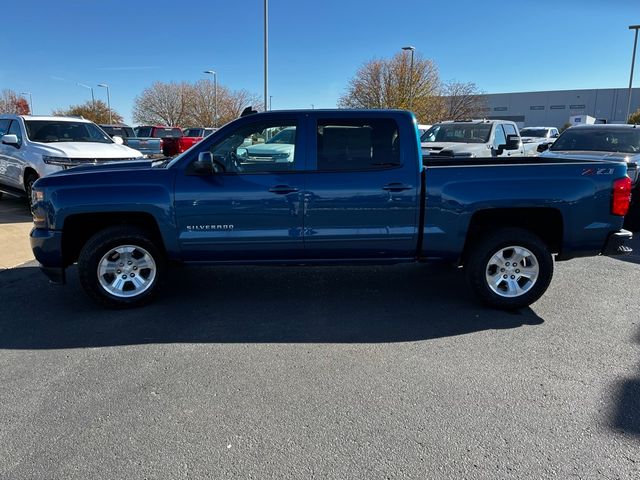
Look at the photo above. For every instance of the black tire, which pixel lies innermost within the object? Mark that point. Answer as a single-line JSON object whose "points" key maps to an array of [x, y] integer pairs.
{"points": [[99, 246], [477, 266], [29, 180]]}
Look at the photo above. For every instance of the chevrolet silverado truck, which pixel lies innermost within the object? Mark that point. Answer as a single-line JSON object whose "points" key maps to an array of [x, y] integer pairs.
{"points": [[355, 192], [473, 139]]}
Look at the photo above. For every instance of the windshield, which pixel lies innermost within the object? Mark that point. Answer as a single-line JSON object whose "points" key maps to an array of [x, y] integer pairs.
{"points": [[124, 132], [533, 132], [286, 136], [458, 133], [49, 131], [193, 132], [624, 140]]}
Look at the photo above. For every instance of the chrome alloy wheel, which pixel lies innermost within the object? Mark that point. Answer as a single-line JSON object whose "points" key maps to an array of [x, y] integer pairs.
{"points": [[126, 271], [512, 271]]}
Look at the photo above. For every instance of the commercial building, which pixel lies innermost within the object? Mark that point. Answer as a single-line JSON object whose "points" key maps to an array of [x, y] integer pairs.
{"points": [[553, 108]]}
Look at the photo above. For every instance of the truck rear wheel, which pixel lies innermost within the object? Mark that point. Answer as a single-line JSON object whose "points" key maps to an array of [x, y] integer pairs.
{"points": [[510, 268], [121, 267]]}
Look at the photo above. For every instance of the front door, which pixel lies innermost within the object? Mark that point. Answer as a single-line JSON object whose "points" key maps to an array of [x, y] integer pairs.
{"points": [[253, 209]]}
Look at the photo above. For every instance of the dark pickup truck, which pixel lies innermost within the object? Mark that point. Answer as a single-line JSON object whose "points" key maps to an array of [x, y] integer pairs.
{"points": [[351, 189]]}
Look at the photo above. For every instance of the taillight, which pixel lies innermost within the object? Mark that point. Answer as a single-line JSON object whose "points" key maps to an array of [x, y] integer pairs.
{"points": [[621, 196]]}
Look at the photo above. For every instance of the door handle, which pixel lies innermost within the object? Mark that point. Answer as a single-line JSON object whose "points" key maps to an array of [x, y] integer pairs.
{"points": [[396, 187], [283, 189]]}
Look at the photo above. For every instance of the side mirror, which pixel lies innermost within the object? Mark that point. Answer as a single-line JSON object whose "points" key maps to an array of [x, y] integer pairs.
{"points": [[117, 139], [542, 147], [242, 152], [206, 164], [11, 139], [513, 142]]}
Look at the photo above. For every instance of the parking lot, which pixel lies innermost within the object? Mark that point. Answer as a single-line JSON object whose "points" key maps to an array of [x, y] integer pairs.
{"points": [[333, 372]]}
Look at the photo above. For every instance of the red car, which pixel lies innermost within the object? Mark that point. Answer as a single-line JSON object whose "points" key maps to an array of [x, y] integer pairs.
{"points": [[173, 140]]}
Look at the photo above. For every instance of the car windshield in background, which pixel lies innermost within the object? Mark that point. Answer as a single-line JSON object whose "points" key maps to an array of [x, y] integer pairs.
{"points": [[625, 140], [123, 132], [49, 131], [194, 132], [458, 132], [286, 136], [167, 133], [533, 132]]}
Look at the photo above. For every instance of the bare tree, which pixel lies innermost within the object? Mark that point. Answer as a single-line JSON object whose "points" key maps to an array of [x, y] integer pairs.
{"points": [[164, 103], [391, 83], [462, 100], [97, 112], [11, 102], [193, 105]]}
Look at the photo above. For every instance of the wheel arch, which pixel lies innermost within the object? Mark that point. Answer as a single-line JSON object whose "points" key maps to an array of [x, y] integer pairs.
{"points": [[79, 228], [546, 223]]}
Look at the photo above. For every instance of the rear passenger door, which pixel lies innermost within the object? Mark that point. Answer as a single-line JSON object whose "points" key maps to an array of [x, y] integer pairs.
{"points": [[362, 188]]}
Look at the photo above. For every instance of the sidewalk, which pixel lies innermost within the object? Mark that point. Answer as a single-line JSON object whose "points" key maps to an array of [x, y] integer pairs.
{"points": [[15, 225]]}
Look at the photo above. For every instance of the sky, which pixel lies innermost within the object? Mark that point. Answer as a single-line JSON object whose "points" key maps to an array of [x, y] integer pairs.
{"points": [[315, 47]]}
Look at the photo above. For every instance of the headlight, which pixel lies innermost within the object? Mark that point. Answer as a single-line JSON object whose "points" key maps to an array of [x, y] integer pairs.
{"points": [[62, 161], [36, 196]]}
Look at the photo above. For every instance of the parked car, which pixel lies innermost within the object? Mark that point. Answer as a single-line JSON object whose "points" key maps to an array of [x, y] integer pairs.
{"points": [[173, 140], [472, 138], [150, 147], [604, 142], [35, 146], [535, 137], [277, 146], [355, 192]]}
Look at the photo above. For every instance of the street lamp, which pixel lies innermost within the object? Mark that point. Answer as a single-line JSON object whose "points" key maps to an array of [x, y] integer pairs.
{"points": [[93, 98], [104, 85], [215, 96], [30, 100], [266, 53], [633, 61], [412, 48]]}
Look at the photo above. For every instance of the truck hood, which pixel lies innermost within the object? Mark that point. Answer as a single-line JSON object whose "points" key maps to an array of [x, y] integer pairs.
{"points": [[86, 150], [455, 148], [591, 155], [106, 167], [535, 139], [270, 148]]}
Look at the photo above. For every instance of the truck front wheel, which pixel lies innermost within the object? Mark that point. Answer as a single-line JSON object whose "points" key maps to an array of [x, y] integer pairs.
{"points": [[120, 267], [510, 268]]}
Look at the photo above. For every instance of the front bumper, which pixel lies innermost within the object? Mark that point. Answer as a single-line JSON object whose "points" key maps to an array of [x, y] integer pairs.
{"points": [[47, 248], [616, 243]]}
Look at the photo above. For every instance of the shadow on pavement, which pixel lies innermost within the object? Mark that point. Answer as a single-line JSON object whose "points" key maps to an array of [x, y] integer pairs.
{"points": [[626, 416], [253, 304], [14, 210]]}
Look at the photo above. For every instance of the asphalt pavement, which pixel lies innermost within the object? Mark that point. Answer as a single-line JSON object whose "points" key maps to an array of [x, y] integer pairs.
{"points": [[333, 372]]}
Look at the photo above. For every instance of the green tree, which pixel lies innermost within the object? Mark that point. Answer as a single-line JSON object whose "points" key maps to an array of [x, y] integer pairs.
{"points": [[97, 112]]}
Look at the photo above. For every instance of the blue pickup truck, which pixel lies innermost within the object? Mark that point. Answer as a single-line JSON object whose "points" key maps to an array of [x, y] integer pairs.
{"points": [[355, 191]]}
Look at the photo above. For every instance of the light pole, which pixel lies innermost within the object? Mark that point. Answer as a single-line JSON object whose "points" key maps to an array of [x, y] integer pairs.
{"points": [[633, 61], [215, 96], [30, 100], [412, 48], [266, 53], [93, 98], [104, 85]]}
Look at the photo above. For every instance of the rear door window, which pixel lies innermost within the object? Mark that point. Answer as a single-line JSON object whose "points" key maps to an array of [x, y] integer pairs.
{"points": [[357, 144], [4, 126]]}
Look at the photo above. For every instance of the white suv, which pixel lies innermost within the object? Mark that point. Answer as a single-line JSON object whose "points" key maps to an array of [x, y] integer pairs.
{"points": [[33, 146], [471, 139]]}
